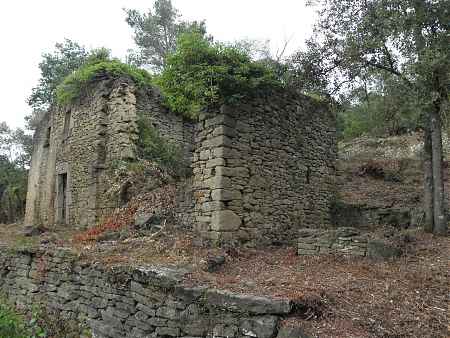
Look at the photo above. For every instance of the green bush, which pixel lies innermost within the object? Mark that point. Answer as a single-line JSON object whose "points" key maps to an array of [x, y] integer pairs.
{"points": [[13, 190], [72, 86], [13, 325], [201, 73], [152, 146]]}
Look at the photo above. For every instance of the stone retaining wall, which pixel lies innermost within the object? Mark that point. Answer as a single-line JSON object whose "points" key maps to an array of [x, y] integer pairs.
{"points": [[344, 241], [136, 302]]}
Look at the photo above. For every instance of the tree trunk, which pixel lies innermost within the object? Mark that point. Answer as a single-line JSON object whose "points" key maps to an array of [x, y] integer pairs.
{"points": [[428, 180], [440, 221]]}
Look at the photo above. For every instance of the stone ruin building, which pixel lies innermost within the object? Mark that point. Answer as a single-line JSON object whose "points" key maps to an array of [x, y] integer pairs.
{"points": [[261, 170]]}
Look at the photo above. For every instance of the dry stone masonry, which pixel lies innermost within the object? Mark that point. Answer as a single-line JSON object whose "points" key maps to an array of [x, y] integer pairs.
{"points": [[262, 169], [75, 146], [137, 302], [344, 241]]}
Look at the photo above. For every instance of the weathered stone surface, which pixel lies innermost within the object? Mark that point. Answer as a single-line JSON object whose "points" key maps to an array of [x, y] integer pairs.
{"points": [[246, 303], [212, 263], [136, 302], [270, 161], [80, 143], [344, 241], [225, 195], [225, 220], [277, 163], [261, 327]]}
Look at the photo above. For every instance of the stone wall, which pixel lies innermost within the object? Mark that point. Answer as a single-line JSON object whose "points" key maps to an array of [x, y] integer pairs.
{"points": [[261, 170], [83, 141], [345, 241], [264, 169], [136, 302]]}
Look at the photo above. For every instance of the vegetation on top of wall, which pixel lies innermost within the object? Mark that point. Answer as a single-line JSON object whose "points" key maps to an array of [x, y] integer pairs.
{"points": [[71, 87], [201, 73]]}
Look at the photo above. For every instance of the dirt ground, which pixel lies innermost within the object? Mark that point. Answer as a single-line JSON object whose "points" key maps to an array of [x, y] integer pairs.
{"points": [[334, 296]]}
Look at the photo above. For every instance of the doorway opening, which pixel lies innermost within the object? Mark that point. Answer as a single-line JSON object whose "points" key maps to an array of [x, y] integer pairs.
{"points": [[62, 199]]}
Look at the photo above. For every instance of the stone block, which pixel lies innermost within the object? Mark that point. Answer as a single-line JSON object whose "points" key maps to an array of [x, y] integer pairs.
{"points": [[205, 154], [306, 246], [225, 220], [222, 330], [224, 130], [225, 195], [167, 331], [218, 182], [215, 162], [218, 141], [168, 312], [247, 304], [260, 327], [224, 152]]}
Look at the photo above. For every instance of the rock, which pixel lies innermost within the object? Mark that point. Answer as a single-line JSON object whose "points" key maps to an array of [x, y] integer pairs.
{"points": [[291, 332], [379, 249], [143, 219], [345, 232], [260, 327], [31, 230], [225, 220], [109, 235], [222, 330], [213, 263], [246, 303]]}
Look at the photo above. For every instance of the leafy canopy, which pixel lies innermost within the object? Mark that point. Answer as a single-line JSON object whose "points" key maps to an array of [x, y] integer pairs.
{"points": [[55, 67], [15, 156], [67, 57], [202, 73], [394, 53]]}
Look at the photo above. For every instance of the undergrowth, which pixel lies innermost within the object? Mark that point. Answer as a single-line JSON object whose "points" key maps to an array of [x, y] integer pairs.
{"points": [[154, 147], [120, 219], [14, 325]]}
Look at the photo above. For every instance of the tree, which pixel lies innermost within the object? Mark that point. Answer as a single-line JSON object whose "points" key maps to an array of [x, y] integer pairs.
{"points": [[55, 67], [15, 155], [156, 32], [68, 56], [379, 106], [408, 39], [15, 145]]}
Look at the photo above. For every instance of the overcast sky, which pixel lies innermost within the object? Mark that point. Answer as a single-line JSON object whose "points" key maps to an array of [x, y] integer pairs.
{"points": [[29, 28]]}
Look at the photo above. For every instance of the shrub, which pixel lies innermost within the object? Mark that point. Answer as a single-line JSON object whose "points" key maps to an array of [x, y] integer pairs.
{"points": [[72, 86], [13, 325], [152, 146], [201, 73]]}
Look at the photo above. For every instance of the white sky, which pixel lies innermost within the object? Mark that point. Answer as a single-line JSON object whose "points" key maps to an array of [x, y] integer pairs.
{"points": [[30, 27]]}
